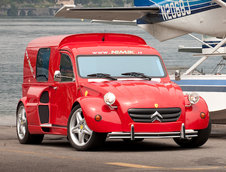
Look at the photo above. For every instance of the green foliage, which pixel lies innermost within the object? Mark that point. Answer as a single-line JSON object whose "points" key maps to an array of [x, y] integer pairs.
{"points": [[103, 3], [41, 3], [22, 3], [12, 11], [3, 2]]}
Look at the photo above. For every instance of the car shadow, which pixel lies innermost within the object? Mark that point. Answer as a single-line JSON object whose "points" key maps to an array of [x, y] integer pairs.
{"points": [[144, 146], [55, 141], [121, 146]]}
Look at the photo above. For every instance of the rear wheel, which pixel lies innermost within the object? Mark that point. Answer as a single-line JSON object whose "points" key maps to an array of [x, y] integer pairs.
{"points": [[23, 134], [202, 138], [80, 136]]}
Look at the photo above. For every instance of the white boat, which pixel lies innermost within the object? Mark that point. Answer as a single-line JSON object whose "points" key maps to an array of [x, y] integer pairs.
{"points": [[212, 87]]}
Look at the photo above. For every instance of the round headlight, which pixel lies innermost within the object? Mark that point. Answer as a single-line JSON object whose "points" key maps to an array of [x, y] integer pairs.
{"points": [[109, 98], [193, 98]]}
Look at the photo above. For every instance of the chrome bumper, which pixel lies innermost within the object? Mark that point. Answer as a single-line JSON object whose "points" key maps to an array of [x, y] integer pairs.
{"points": [[155, 135]]}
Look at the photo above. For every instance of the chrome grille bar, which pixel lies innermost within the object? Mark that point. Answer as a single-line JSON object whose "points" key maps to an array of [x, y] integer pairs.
{"points": [[122, 135], [145, 115]]}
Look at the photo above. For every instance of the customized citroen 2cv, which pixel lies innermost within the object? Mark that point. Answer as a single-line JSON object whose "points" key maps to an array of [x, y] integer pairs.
{"points": [[92, 86]]}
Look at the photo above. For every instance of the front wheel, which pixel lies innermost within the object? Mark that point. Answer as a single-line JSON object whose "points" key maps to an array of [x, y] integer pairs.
{"points": [[194, 142], [23, 134], [80, 136]]}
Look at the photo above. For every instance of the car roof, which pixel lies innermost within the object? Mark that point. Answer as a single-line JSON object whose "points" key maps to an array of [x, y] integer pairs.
{"points": [[92, 38]]}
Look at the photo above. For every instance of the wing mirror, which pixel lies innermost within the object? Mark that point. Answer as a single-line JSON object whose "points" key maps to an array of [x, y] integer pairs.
{"points": [[177, 75], [57, 76]]}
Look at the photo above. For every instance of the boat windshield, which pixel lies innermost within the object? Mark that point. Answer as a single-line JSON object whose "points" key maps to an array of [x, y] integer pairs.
{"points": [[117, 66]]}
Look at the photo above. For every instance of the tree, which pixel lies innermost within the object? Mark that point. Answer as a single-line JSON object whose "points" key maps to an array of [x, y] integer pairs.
{"points": [[3, 2], [12, 11]]}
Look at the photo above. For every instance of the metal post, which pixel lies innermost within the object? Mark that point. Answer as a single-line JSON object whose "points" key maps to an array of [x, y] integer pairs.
{"points": [[205, 57], [132, 132], [221, 3]]}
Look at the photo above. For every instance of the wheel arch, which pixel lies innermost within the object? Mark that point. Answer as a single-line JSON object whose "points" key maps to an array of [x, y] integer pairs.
{"points": [[193, 118], [21, 101], [92, 106], [75, 104]]}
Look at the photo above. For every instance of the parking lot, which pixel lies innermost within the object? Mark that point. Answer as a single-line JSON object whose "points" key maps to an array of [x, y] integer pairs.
{"points": [[56, 154]]}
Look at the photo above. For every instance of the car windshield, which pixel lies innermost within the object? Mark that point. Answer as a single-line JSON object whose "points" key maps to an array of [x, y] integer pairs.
{"points": [[117, 66]]}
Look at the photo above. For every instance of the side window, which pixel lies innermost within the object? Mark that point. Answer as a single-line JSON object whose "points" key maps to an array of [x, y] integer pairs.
{"points": [[66, 68], [42, 65]]}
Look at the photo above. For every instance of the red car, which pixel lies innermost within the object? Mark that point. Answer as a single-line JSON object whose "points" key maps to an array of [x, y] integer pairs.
{"points": [[92, 86]]}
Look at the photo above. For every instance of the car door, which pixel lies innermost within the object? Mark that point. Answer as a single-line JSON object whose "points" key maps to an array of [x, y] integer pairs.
{"points": [[64, 92], [37, 91]]}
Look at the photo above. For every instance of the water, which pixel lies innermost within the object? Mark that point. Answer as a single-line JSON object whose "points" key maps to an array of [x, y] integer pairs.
{"points": [[16, 33]]}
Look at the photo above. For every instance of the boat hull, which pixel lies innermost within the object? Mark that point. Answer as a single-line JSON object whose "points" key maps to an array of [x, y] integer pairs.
{"points": [[212, 88]]}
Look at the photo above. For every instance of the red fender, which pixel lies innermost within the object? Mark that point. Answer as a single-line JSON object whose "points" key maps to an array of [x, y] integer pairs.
{"points": [[193, 118], [92, 106], [33, 129], [24, 101]]}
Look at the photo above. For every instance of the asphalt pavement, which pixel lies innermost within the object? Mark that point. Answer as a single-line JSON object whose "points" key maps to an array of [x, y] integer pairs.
{"points": [[56, 154]]}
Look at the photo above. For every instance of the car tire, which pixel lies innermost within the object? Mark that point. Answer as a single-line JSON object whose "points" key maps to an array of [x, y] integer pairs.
{"points": [[194, 142], [80, 136], [22, 131]]}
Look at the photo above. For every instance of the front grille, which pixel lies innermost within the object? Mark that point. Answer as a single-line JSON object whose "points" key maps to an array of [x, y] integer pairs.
{"points": [[146, 115]]}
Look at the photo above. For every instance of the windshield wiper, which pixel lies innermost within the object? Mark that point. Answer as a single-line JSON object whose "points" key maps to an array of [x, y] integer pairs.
{"points": [[102, 75], [137, 75]]}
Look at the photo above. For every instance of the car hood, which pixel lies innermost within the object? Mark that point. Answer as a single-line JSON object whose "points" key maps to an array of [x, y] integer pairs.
{"points": [[139, 94]]}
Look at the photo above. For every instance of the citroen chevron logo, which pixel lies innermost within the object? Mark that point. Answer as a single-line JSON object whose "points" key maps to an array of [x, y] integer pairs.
{"points": [[156, 117]]}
